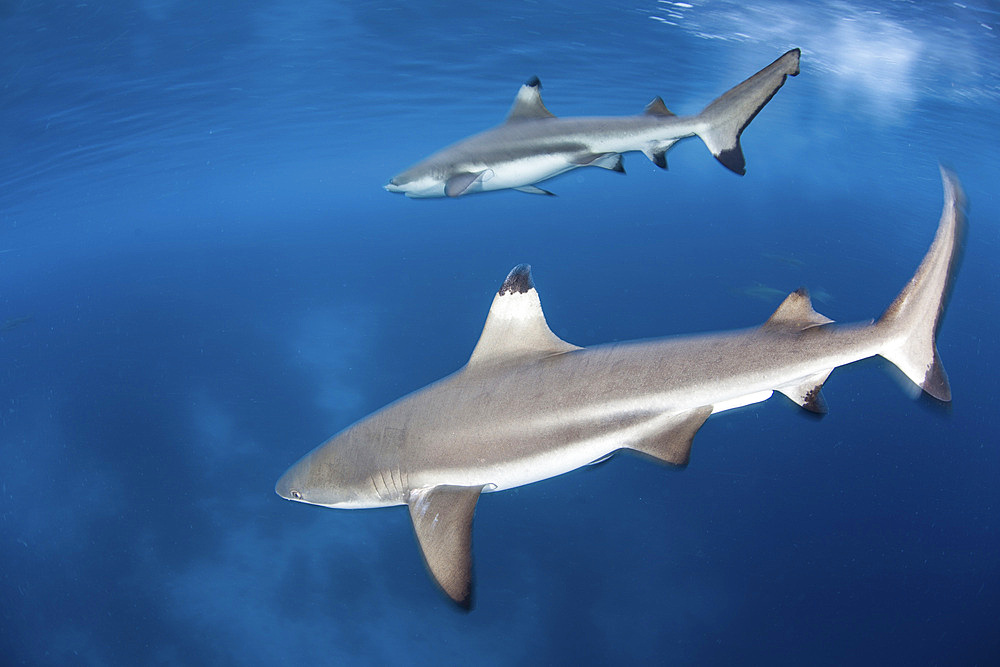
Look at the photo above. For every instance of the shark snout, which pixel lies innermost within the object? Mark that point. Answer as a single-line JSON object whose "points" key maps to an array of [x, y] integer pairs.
{"points": [[282, 486], [393, 186], [285, 486]]}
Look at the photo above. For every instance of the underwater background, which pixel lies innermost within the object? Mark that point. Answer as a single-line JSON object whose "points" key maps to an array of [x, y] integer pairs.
{"points": [[201, 279]]}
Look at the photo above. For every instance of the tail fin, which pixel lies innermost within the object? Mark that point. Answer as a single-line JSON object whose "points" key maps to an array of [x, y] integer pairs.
{"points": [[725, 119], [911, 322]]}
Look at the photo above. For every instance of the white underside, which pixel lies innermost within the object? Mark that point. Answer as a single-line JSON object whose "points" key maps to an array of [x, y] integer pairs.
{"points": [[553, 462]]}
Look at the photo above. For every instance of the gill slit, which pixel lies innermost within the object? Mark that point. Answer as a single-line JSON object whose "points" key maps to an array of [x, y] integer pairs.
{"points": [[395, 486], [382, 475]]}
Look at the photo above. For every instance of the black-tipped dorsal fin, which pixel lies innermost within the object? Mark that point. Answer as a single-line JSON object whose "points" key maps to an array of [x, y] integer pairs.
{"points": [[658, 108], [796, 312], [442, 519], [528, 103], [515, 327]]}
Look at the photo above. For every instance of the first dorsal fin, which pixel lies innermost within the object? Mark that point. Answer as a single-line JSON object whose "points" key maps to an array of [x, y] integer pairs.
{"points": [[515, 327], [658, 108], [796, 312], [528, 103]]}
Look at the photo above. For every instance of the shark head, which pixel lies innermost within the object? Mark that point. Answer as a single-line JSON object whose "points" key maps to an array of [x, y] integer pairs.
{"points": [[421, 182], [341, 472], [417, 183]]}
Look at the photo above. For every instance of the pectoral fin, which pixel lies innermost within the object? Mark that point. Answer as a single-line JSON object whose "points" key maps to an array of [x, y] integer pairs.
{"points": [[461, 183], [442, 520]]}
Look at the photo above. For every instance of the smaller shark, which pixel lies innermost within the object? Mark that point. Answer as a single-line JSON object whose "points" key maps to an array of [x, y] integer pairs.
{"points": [[532, 145], [529, 406], [14, 322]]}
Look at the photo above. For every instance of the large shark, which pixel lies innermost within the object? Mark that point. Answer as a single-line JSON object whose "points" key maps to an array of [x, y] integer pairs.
{"points": [[532, 145], [529, 406]]}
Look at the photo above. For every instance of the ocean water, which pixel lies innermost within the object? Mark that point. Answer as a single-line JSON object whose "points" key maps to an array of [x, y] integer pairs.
{"points": [[201, 279]]}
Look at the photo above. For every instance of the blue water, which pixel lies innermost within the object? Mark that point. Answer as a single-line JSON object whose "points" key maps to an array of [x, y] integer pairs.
{"points": [[201, 279]]}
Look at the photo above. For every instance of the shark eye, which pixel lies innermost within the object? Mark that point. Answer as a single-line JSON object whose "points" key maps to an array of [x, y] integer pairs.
{"points": [[295, 494]]}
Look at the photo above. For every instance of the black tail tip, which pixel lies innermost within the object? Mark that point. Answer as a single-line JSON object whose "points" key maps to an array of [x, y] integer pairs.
{"points": [[733, 160], [936, 382]]}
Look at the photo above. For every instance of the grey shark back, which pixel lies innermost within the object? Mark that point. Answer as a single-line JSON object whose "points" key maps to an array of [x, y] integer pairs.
{"points": [[532, 145], [529, 406]]}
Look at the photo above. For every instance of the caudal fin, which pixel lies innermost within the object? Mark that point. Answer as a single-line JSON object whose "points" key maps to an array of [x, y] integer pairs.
{"points": [[725, 119], [911, 323]]}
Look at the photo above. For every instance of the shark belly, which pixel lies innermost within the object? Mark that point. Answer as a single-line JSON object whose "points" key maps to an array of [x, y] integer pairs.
{"points": [[526, 171]]}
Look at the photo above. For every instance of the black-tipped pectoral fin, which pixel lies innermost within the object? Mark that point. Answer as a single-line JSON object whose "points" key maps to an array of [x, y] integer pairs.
{"points": [[670, 439], [442, 519]]}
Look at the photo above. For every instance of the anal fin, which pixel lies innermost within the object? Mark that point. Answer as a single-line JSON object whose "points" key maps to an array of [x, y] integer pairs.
{"points": [[659, 158], [657, 152], [442, 519], [808, 393]]}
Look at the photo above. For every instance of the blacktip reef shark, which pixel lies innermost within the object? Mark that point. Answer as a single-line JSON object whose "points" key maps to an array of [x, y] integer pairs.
{"points": [[529, 406], [532, 145]]}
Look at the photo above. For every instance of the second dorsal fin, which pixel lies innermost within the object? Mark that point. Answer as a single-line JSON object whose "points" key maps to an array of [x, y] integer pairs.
{"points": [[796, 312], [658, 108], [515, 327]]}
